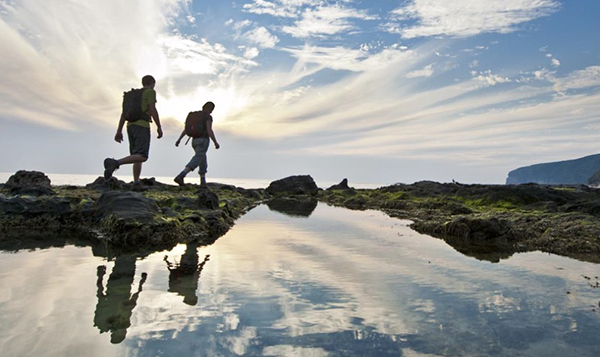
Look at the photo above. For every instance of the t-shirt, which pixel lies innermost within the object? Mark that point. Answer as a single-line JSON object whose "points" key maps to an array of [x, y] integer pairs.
{"points": [[148, 97]]}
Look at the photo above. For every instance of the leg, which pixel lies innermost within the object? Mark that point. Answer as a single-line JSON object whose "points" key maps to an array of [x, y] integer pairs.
{"points": [[200, 145], [137, 170]]}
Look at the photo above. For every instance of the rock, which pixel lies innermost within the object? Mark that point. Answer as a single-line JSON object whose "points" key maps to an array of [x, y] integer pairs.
{"points": [[129, 219], [208, 199], [341, 186], [127, 206], [27, 206], [100, 184], [294, 185], [33, 183]]}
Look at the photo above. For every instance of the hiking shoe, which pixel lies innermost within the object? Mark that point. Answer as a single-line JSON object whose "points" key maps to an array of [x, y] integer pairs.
{"points": [[179, 180], [110, 165]]}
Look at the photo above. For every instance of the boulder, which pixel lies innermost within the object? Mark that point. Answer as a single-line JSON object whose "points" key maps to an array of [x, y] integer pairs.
{"points": [[128, 219], [100, 184], [33, 183], [127, 206], [294, 185]]}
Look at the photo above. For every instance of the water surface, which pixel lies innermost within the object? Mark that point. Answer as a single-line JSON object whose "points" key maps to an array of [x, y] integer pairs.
{"points": [[328, 282]]}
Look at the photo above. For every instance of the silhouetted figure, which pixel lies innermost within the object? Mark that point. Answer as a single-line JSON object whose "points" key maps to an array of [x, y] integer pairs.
{"points": [[183, 276], [115, 305], [198, 125], [138, 134]]}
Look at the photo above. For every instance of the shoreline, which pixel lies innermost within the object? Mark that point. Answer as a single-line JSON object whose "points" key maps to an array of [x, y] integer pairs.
{"points": [[488, 222]]}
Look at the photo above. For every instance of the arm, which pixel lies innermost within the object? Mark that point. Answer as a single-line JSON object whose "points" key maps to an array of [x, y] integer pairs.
{"points": [[180, 137], [119, 134], [154, 114], [211, 133]]}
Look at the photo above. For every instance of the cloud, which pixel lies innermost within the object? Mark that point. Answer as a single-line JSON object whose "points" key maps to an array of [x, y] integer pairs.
{"points": [[262, 37], [279, 8], [461, 18], [581, 79], [488, 78], [427, 71], [65, 65], [326, 20]]}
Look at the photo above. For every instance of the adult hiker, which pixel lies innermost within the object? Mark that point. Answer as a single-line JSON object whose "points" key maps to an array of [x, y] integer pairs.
{"points": [[139, 109], [198, 125]]}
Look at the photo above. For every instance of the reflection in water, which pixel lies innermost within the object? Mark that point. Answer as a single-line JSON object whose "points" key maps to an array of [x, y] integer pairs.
{"points": [[115, 306], [341, 283], [183, 276], [293, 207]]}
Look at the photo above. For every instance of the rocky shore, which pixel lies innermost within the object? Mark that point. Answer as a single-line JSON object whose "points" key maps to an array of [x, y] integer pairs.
{"points": [[488, 222]]}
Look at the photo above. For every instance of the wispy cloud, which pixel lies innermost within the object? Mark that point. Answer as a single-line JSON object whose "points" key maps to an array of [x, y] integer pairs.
{"points": [[460, 18], [64, 61], [325, 21]]}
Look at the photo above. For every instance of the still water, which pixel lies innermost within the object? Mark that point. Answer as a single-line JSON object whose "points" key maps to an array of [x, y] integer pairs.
{"points": [[315, 281]]}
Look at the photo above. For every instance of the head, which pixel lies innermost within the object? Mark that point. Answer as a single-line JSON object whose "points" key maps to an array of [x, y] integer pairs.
{"points": [[208, 107], [148, 81]]}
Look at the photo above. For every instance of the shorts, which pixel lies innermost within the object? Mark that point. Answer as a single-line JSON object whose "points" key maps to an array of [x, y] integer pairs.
{"points": [[139, 140]]}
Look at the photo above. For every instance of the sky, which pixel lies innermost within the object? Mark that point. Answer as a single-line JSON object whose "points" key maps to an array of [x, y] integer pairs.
{"points": [[378, 91]]}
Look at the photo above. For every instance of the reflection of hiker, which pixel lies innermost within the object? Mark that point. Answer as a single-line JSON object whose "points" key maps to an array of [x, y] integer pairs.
{"points": [[115, 306], [198, 125], [138, 130], [183, 277]]}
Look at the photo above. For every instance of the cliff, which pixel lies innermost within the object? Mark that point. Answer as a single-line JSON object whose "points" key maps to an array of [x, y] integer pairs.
{"points": [[568, 172]]}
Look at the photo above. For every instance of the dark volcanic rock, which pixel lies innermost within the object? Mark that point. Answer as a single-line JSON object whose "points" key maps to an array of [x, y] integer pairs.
{"points": [[208, 199], [33, 183], [341, 186], [27, 206], [294, 185], [100, 184], [127, 206]]}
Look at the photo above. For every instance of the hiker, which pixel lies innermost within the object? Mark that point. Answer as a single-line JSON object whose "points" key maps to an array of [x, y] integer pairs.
{"points": [[198, 125], [138, 132]]}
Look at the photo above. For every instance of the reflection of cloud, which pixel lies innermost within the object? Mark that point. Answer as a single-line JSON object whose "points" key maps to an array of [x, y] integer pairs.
{"points": [[465, 17]]}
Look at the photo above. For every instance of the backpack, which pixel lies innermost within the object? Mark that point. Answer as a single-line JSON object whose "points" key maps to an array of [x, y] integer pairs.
{"points": [[195, 124], [132, 105]]}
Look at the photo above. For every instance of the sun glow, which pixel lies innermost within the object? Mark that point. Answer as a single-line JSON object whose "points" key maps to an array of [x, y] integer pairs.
{"points": [[177, 106]]}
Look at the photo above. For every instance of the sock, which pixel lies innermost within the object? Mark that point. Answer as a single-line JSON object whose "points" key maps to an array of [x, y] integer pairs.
{"points": [[202, 180], [183, 173]]}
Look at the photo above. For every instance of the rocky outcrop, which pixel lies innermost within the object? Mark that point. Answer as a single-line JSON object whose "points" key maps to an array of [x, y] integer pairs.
{"points": [[31, 183], [107, 210], [293, 185], [343, 185], [492, 221]]}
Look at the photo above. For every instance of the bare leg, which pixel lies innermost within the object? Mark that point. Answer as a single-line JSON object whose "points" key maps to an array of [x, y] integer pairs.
{"points": [[137, 170]]}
